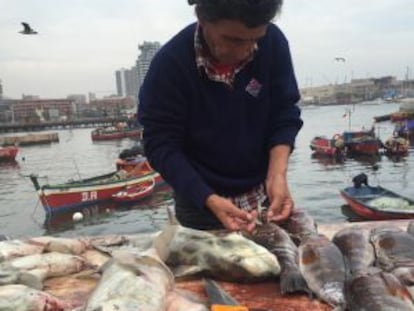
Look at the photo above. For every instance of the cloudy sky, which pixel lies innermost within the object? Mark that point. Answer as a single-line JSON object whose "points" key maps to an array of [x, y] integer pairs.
{"points": [[82, 42]]}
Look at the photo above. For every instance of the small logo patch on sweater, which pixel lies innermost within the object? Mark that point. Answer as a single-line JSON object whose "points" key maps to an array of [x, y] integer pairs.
{"points": [[254, 87]]}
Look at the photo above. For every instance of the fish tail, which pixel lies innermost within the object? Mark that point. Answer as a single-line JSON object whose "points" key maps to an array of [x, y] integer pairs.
{"points": [[292, 281]]}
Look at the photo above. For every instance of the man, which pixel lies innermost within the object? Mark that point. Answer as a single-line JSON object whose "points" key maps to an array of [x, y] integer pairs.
{"points": [[218, 106]]}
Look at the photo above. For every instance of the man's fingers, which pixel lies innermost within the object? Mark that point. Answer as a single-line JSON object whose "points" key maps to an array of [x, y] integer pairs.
{"points": [[280, 213]]}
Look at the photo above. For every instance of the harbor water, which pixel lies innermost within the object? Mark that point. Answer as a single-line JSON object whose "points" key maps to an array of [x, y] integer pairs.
{"points": [[314, 182]]}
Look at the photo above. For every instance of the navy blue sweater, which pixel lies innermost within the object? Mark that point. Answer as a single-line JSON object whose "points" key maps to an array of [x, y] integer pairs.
{"points": [[204, 138]]}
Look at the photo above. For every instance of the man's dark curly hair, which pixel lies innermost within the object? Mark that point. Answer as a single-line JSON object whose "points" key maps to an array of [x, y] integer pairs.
{"points": [[252, 13]]}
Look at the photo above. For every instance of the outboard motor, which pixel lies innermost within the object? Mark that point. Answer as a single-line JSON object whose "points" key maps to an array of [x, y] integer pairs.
{"points": [[359, 180]]}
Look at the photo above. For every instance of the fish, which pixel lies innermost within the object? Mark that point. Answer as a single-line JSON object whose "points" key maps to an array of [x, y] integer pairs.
{"points": [[300, 225], [132, 281], [278, 242], [12, 275], [17, 248], [322, 265], [61, 245], [354, 244], [381, 291], [394, 250], [410, 227], [50, 264], [228, 257], [23, 298]]}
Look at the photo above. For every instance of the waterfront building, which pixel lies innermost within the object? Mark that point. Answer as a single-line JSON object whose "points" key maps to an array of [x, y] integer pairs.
{"points": [[29, 110], [112, 106]]}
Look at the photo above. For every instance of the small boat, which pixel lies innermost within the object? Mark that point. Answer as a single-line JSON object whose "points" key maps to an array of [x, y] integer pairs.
{"points": [[135, 192], [330, 147], [76, 194], [8, 153], [109, 133], [396, 146], [362, 142], [376, 203]]}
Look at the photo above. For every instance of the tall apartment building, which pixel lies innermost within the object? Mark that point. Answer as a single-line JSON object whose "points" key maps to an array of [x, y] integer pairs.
{"points": [[148, 50], [127, 82]]}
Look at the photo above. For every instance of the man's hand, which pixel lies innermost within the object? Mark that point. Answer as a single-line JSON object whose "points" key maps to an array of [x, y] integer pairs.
{"points": [[281, 203], [231, 216]]}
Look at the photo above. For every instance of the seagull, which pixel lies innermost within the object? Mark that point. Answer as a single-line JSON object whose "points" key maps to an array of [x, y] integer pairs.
{"points": [[27, 30], [340, 59]]}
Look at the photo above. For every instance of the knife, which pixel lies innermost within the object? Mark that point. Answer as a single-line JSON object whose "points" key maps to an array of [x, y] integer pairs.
{"points": [[220, 300]]}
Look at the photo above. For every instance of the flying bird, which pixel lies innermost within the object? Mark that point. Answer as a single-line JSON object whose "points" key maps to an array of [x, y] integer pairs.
{"points": [[340, 59], [27, 30]]}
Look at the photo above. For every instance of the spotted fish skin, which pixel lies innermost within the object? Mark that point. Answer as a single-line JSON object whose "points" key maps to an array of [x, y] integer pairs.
{"points": [[323, 268], [226, 256], [278, 242], [378, 292], [356, 248]]}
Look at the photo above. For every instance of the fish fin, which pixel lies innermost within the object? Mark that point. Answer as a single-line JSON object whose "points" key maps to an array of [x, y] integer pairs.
{"points": [[291, 281], [162, 242], [186, 270]]}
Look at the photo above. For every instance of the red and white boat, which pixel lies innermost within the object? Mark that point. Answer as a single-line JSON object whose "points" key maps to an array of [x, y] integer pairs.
{"points": [[72, 195], [330, 147], [8, 153], [109, 133], [135, 192]]}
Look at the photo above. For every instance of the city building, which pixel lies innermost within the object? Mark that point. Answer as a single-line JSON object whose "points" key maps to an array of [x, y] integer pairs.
{"points": [[127, 82], [30, 110], [148, 50]]}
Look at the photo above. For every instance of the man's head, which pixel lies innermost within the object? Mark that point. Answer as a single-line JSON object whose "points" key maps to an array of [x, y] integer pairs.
{"points": [[251, 13], [231, 28]]}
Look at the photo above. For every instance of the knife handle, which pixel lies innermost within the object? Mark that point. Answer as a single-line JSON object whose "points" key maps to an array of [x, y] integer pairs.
{"points": [[216, 307]]}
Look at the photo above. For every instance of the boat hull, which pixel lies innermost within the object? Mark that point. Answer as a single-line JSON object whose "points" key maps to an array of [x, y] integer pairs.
{"points": [[111, 135], [8, 153], [67, 197], [324, 146], [358, 199], [136, 192]]}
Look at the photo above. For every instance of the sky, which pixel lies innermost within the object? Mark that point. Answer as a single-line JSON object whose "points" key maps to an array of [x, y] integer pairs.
{"points": [[81, 43]]}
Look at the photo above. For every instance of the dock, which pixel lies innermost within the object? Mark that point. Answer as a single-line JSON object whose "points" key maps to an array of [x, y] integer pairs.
{"points": [[29, 139]]}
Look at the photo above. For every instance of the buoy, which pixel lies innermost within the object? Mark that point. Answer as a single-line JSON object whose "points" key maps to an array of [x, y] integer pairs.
{"points": [[78, 216]]}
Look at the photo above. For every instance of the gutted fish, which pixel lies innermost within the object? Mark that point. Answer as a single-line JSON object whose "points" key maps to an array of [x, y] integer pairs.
{"points": [[61, 245], [23, 298], [230, 257], [322, 266], [132, 282], [17, 248], [278, 242]]}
